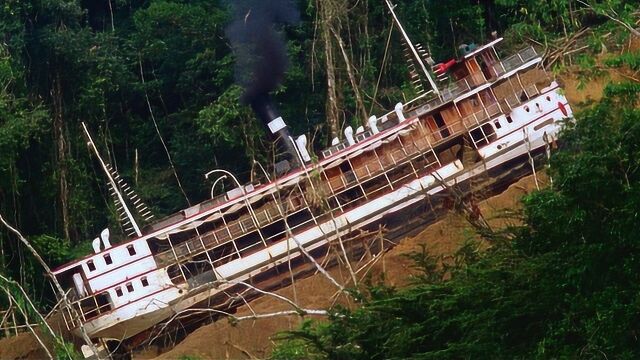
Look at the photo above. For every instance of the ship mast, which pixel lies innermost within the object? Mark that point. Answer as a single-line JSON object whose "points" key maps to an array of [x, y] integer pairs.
{"points": [[412, 48], [112, 182]]}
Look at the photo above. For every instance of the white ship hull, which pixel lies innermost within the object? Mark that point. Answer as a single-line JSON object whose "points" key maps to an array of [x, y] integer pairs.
{"points": [[531, 135]]}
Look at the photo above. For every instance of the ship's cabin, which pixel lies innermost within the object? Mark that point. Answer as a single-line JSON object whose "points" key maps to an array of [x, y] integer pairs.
{"points": [[109, 278]]}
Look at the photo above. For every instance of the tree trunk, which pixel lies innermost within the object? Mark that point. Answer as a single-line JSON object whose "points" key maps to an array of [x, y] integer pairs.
{"points": [[352, 77], [61, 156], [331, 107]]}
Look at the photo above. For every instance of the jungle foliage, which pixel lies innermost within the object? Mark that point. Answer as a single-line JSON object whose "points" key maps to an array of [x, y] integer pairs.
{"points": [[565, 285], [134, 70]]}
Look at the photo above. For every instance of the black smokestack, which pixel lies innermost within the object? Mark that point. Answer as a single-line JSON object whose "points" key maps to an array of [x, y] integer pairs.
{"points": [[266, 111], [261, 58]]}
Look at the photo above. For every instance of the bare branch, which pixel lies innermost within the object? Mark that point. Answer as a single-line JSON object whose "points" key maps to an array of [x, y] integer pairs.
{"points": [[613, 17], [59, 289], [26, 318]]}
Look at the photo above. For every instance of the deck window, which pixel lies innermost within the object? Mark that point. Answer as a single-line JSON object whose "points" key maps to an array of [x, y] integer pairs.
{"points": [[131, 249], [129, 287], [119, 291], [107, 259], [91, 265], [144, 281]]}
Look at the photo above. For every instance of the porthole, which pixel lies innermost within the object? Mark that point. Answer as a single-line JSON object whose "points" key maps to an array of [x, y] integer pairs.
{"points": [[548, 98], [526, 108]]}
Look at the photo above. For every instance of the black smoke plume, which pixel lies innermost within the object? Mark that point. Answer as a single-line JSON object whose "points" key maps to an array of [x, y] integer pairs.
{"points": [[260, 50]]}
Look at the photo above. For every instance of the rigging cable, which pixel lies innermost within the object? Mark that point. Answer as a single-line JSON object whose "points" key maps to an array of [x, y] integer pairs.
{"points": [[155, 124], [384, 60]]}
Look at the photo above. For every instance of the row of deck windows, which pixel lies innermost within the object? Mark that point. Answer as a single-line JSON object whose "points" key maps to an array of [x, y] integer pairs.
{"points": [[107, 258], [143, 280]]}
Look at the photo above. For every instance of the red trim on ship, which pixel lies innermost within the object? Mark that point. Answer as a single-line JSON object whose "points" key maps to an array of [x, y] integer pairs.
{"points": [[117, 267], [171, 287], [305, 228], [126, 280], [354, 148]]}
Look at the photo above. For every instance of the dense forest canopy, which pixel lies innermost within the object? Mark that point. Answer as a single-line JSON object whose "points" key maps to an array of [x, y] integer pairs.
{"points": [[154, 81]]}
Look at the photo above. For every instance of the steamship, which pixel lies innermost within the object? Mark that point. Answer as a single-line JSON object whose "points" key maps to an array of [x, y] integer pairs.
{"points": [[483, 113]]}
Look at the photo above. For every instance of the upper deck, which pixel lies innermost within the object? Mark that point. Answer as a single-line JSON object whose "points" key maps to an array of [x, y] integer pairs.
{"points": [[472, 75]]}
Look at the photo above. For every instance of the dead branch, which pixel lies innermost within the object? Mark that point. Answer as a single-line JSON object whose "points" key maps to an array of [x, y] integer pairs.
{"points": [[242, 350], [562, 47], [236, 319], [310, 257], [613, 18], [29, 302], [59, 289], [352, 78], [26, 317], [268, 293]]}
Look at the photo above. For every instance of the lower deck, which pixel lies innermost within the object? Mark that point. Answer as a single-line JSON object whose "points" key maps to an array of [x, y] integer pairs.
{"points": [[259, 233]]}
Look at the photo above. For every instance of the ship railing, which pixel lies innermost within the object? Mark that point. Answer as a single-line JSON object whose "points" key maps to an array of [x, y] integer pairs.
{"points": [[381, 160], [397, 165], [455, 89], [400, 162], [510, 101], [476, 79], [179, 272], [222, 234], [367, 170], [84, 309], [514, 61], [343, 181], [481, 116], [531, 90], [514, 100], [475, 118], [447, 131], [385, 122]]}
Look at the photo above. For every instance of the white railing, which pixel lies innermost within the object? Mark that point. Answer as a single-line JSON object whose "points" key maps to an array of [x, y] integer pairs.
{"points": [[515, 60], [478, 117], [83, 310], [455, 89], [475, 118]]}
